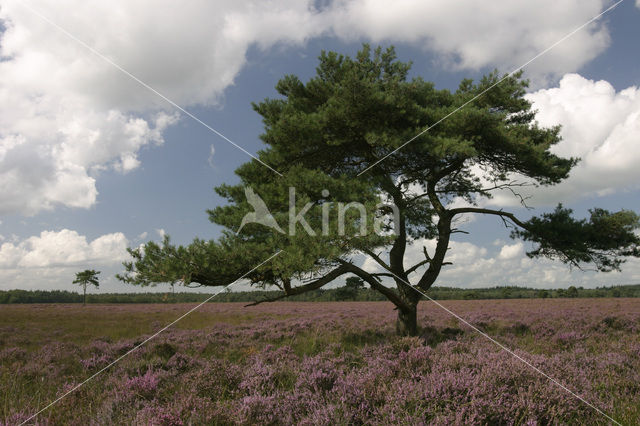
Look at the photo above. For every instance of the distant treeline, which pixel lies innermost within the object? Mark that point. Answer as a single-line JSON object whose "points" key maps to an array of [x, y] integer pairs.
{"points": [[329, 295]]}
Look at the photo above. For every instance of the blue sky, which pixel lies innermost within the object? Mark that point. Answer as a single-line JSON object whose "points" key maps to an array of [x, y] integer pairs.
{"points": [[92, 162]]}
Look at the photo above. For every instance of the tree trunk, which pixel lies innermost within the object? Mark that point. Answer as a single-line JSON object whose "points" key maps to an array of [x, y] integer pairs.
{"points": [[407, 323], [84, 295]]}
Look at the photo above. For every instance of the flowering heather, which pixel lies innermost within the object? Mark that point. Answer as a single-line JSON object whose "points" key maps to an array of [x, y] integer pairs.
{"points": [[322, 363]]}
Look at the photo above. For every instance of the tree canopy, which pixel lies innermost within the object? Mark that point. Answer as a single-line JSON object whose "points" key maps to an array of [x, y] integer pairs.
{"points": [[335, 141], [84, 278]]}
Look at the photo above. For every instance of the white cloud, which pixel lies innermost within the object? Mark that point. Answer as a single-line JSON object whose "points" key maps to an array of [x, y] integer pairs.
{"points": [[511, 251], [599, 125], [66, 114], [161, 232], [472, 34], [476, 266], [143, 235], [63, 248]]}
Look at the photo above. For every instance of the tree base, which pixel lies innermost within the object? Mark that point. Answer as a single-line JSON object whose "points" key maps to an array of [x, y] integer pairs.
{"points": [[407, 323]]}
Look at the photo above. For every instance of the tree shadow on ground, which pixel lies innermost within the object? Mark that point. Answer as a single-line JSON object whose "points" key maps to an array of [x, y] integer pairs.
{"points": [[432, 336]]}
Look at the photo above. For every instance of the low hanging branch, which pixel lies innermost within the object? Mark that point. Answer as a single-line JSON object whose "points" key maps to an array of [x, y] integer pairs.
{"points": [[315, 285]]}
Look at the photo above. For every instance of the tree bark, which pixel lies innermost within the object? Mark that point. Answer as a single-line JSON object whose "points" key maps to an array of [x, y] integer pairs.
{"points": [[407, 322], [84, 294]]}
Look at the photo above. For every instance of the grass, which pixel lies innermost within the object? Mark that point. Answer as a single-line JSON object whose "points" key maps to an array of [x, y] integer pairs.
{"points": [[78, 324]]}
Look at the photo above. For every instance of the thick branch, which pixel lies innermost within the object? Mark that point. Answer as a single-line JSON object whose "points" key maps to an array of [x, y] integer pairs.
{"points": [[500, 213], [375, 284], [431, 274], [433, 198], [396, 254], [314, 285], [444, 234]]}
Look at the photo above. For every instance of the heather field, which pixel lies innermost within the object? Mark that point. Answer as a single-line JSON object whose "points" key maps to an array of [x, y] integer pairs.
{"points": [[322, 363]]}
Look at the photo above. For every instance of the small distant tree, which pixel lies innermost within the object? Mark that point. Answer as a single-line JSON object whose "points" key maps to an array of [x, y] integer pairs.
{"points": [[505, 292], [543, 294], [355, 283], [350, 289], [88, 276], [572, 291]]}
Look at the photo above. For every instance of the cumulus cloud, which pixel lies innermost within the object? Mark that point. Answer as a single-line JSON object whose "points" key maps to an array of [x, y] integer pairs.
{"points": [[63, 248], [66, 114], [51, 260], [511, 251], [476, 266], [599, 125], [470, 34]]}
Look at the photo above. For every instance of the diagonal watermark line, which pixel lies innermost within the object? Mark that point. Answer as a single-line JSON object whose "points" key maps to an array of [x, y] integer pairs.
{"points": [[506, 349], [492, 86], [142, 83], [78, 386]]}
